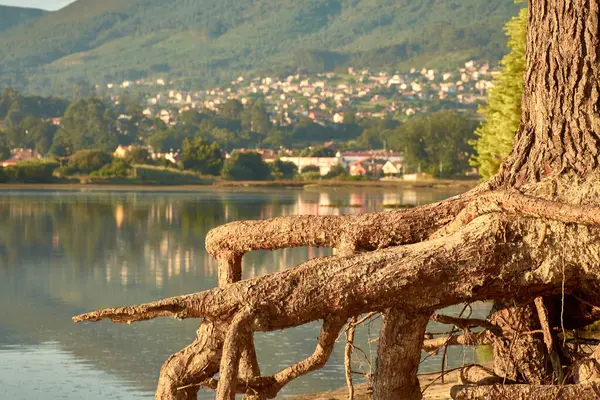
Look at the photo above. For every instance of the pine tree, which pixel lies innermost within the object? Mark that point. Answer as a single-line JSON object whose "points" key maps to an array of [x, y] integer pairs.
{"points": [[502, 113]]}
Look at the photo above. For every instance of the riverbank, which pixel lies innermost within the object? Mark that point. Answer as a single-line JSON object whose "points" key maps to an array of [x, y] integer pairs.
{"points": [[436, 391], [128, 186]]}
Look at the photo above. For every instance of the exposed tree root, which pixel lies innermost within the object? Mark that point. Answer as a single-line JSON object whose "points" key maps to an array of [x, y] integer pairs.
{"points": [[469, 263], [533, 231], [527, 392]]}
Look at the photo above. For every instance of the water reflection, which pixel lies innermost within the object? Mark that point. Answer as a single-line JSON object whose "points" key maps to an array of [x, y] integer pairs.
{"points": [[62, 253]]}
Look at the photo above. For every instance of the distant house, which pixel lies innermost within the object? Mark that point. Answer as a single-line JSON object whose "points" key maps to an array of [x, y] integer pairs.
{"points": [[391, 169], [20, 155], [122, 151], [359, 168], [173, 156], [325, 164]]}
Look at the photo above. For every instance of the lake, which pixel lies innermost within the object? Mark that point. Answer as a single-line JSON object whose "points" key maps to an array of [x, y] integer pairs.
{"points": [[67, 252]]}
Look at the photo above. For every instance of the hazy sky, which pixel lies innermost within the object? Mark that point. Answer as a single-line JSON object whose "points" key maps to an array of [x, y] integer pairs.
{"points": [[45, 4]]}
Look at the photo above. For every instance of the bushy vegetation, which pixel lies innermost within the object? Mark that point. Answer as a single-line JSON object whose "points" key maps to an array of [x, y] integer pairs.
{"points": [[211, 40], [29, 172], [11, 17], [502, 113], [246, 167], [86, 161], [166, 176], [437, 144]]}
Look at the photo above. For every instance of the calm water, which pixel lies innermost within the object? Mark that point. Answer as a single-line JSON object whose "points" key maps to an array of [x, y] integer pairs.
{"points": [[63, 253]]}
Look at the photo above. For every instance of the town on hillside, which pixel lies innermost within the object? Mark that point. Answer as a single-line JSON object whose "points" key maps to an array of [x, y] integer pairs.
{"points": [[325, 97], [355, 124]]}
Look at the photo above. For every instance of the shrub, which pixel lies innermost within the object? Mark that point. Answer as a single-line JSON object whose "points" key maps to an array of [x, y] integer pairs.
{"points": [[311, 168], [31, 172], [284, 169], [117, 169], [246, 167], [87, 161]]}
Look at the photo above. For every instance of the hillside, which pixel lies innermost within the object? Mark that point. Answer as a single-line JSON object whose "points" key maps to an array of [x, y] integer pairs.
{"points": [[11, 17], [203, 41]]}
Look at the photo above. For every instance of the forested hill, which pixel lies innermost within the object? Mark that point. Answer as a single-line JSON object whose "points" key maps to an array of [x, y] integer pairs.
{"points": [[11, 17], [204, 40]]}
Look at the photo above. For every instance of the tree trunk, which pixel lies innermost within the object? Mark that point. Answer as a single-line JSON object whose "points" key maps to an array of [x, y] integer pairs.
{"points": [[532, 231], [560, 121], [399, 356], [558, 135]]}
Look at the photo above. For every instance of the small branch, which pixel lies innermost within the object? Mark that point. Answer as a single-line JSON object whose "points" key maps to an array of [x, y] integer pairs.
{"points": [[329, 333], [348, 357], [467, 323], [474, 339]]}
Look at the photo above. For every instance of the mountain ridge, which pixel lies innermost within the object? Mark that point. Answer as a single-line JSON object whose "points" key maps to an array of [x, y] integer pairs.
{"points": [[11, 17], [211, 40]]}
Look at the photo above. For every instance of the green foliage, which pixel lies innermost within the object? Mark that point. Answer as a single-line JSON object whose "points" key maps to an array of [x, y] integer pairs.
{"points": [[310, 168], [31, 132], [336, 172], [41, 107], [118, 168], [284, 169], [502, 113], [31, 172], [87, 161], [4, 147], [166, 176], [11, 17], [438, 144], [87, 124], [112, 41], [310, 176], [138, 155], [202, 157], [246, 167]]}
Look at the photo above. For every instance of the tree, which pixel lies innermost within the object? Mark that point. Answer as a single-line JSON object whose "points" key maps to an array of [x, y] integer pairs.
{"points": [[246, 167], [232, 109], [438, 143], [202, 157], [138, 155], [284, 169], [4, 147], [87, 161], [88, 124], [527, 239], [337, 171], [502, 113]]}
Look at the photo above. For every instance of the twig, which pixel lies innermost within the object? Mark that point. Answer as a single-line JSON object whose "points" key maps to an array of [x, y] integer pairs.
{"points": [[348, 356]]}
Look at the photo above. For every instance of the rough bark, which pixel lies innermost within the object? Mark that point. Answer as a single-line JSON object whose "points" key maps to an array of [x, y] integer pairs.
{"points": [[560, 120], [527, 392], [532, 231], [399, 355]]}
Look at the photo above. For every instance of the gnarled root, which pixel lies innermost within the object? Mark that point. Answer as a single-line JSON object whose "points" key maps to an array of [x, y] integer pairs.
{"points": [[527, 392], [497, 254]]}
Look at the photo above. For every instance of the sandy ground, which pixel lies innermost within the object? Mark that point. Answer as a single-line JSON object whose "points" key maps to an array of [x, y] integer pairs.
{"points": [[437, 390]]}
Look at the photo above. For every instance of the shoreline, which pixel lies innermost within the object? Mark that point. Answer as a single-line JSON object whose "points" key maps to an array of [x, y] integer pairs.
{"points": [[436, 390], [430, 184]]}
